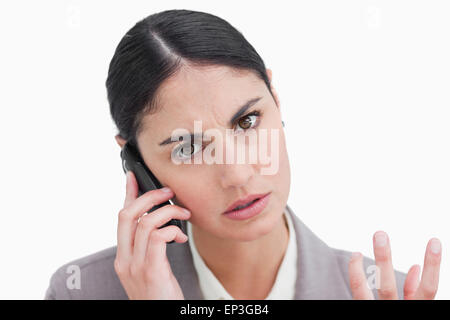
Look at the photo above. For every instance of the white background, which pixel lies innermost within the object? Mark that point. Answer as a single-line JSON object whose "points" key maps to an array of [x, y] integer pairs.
{"points": [[364, 91]]}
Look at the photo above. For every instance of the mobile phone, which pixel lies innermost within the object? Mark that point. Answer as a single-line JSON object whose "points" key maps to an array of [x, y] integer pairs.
{"points": [[132, 161]]}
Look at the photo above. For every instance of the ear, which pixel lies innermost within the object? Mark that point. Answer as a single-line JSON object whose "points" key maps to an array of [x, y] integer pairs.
{"points": [[120, 141], [269, 75]]}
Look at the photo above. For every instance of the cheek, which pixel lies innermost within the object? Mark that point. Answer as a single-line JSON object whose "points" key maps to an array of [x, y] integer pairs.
{"points": [[282, 179], [285, 165], [279, 167], [196, 196]]}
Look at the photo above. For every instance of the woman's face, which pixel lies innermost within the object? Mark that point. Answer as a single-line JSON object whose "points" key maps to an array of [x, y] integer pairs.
{"points": [[213, 95]]}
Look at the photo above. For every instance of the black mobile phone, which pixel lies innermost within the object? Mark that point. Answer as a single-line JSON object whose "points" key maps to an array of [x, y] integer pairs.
{"points": [[132, 160]]}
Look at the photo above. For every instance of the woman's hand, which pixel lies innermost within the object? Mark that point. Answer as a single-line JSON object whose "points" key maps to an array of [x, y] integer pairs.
{"points": [[141, 262], [412, 289]]}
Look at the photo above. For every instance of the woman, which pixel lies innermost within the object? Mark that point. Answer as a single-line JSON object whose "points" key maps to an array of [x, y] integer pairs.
{"points": [[170, 70]]}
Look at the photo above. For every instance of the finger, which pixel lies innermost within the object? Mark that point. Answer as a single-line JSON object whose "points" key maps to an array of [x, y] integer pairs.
{"points": [[129, 216], [149, 224], [132, 190], [383, 260], [430, 275], [156, 249], [358, 281], [142, 204], [411, 282], [125, 227]]}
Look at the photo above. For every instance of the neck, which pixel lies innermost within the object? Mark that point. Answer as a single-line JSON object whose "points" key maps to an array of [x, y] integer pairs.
{"points": [[247, 270]]}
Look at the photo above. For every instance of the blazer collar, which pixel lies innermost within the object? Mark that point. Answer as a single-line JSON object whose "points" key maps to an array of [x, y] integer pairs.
{"points": [[319, 275]]}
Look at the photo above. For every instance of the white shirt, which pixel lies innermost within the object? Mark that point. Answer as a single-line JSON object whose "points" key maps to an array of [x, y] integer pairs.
{"points": [[283, 288]]}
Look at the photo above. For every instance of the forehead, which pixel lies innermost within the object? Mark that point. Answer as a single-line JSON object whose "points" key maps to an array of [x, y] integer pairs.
{"points": [[203, 89], [208, 93]]}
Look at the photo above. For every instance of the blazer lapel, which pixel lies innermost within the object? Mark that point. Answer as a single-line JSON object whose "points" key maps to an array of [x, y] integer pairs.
{"points": [[319, 274]]}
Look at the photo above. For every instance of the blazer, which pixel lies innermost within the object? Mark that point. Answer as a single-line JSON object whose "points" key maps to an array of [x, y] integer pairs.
{"points": [[322, 272]]}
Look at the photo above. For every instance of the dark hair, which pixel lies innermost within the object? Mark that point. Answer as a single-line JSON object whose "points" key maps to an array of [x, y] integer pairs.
{"points": [[157, 46]]}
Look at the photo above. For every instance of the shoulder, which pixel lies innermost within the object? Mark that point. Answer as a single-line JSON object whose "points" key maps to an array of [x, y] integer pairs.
{"points": [[343, 258], [89, 277]]}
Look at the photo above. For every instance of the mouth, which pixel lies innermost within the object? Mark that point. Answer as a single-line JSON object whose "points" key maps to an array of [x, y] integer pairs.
{"points": [[245, 205], [245, 202], [248, 207]]}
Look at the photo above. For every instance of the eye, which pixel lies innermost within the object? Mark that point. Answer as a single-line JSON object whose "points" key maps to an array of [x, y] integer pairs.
{"points": [[186, 151], [249, 120]]}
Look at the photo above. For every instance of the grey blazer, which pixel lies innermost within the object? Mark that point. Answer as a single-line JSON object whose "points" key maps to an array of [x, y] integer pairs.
{"points": [[322, 272]]}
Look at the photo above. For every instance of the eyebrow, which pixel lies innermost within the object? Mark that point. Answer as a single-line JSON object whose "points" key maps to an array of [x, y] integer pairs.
{"points": [[238, 114]]}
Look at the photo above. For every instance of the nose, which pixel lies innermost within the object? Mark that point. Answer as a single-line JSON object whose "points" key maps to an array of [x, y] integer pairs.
{"points": [[236, 175]]}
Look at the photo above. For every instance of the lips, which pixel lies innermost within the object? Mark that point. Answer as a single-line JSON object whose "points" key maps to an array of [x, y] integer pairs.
{"points": [[245, 201]]}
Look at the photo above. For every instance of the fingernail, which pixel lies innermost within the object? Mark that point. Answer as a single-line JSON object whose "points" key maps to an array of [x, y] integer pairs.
{"points": [[186, 211], [355, 255], [165, 189], [380, 239], [435, 246]]}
